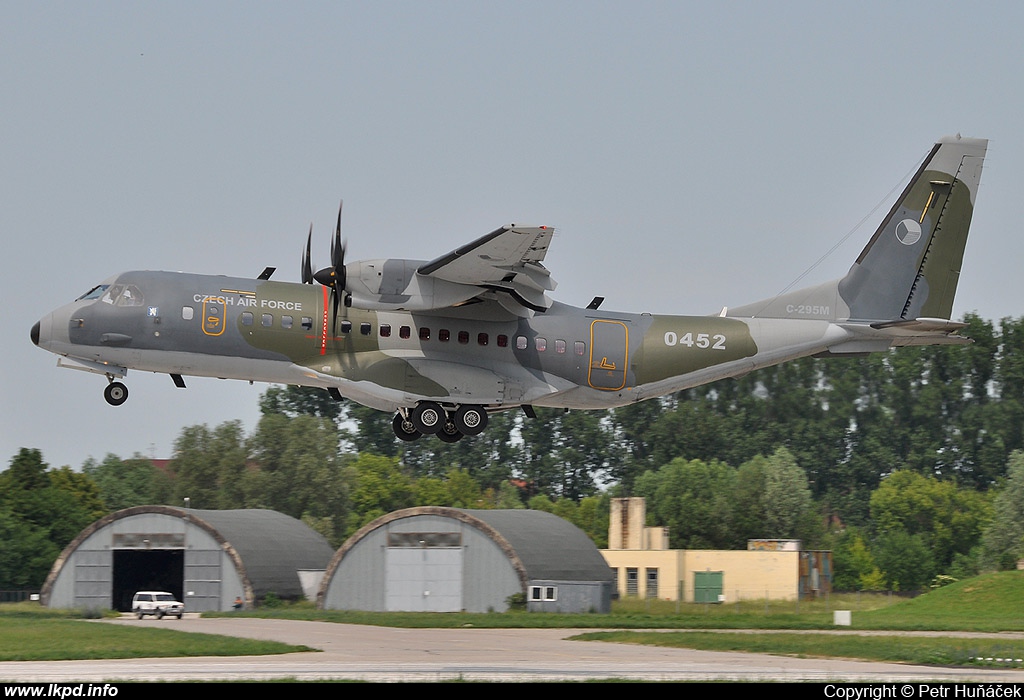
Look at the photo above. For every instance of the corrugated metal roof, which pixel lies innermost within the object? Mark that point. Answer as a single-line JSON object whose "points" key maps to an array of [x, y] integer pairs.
{"points": [[549, 547], [272, 546]]}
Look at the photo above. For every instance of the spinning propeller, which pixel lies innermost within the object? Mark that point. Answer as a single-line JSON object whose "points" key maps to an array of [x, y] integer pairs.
{"points": [[333, 276]]}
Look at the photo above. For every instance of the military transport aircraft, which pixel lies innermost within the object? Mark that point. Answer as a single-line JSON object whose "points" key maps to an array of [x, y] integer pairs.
{"points": [[443, 343]]}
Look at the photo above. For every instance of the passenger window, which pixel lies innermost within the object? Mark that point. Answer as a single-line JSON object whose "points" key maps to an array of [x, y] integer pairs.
{"points": [[267, 320], [581, 347], [307, 323], [385, 330], [463, 337], [187, 313], [560, 347], [424, 333], [444, 335], [502, 341], [541, 344], [364, 328], [247, 318], [521, 342], [287, 321], [482, 339], [404, 332], [346, 326]]}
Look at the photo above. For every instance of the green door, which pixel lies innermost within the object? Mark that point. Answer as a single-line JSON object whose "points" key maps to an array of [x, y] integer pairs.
{"points": [[707, 586]]}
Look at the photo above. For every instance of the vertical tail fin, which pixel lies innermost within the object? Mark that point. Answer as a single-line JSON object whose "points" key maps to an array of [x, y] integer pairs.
{"points": [[910, 267]]}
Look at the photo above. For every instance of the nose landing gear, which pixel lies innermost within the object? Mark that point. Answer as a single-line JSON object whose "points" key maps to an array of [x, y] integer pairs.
{"points": [[116, 393]]}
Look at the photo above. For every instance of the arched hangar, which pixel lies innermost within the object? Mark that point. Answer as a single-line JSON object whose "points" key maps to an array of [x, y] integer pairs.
{"points": [[206, 558], [441, 559]]}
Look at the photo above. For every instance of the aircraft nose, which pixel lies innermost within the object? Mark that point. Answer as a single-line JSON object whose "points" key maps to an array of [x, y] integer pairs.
{"points": [[35, 334]]}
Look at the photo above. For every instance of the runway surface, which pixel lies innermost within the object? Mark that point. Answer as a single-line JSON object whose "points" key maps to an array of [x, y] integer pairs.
{"points": [[382, 654]]}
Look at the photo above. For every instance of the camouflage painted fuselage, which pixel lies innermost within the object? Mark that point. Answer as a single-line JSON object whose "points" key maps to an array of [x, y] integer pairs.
{"points": [[476, 328]]}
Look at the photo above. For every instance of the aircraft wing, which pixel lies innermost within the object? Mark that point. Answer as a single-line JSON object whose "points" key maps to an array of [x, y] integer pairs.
{"points": [[507, 260]]}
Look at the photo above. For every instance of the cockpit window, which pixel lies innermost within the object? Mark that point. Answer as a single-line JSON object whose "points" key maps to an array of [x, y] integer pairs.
{"points": [[123, 295], [94, 293]]}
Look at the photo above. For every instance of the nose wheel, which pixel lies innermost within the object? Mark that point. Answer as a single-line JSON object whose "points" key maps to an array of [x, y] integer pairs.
{"points": [[116, 393]]}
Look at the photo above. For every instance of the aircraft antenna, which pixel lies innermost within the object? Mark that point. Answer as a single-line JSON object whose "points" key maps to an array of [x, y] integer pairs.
{"points": [[887, 197]]}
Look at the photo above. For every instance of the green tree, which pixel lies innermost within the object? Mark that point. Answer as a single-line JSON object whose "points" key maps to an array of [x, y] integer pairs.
{"points": [[786, 502], [906, 560], [947, 518], [380, 487], [854, 567], [39, 515], [1003, 539], [297, 470], [295, 401], [692, 498], [208, 466], [124, 483]]}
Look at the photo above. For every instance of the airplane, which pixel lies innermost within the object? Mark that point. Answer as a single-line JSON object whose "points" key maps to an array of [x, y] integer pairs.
{"points": [[444, 343]]}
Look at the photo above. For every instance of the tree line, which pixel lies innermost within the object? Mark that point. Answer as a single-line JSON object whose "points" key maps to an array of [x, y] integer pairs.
{"points": [[908, 465]]}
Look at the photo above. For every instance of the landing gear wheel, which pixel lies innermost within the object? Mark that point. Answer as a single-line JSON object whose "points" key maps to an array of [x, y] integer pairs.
{"points": [[449, 433], [116, 393], [404, 428], [428, 417], [470, 420]]}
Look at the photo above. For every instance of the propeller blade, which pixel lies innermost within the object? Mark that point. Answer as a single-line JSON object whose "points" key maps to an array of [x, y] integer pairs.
{"points": [[307, 264], [333, 276], [338, 252]]}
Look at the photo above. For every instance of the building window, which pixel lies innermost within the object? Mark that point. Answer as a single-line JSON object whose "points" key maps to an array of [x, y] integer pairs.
{"points": [[632, 584], [652, 583], [543, 593]]}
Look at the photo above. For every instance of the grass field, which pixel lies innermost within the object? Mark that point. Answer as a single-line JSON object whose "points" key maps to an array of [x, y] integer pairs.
{"points": [[993, 603], [31, 633]]}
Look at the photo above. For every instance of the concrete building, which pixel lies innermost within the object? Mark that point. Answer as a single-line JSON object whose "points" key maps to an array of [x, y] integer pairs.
{"points": [[645, 567], [206, 558], [440, 559]]}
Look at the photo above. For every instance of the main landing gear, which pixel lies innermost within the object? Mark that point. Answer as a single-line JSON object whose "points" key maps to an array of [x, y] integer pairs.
{"points": [[429, 418]]}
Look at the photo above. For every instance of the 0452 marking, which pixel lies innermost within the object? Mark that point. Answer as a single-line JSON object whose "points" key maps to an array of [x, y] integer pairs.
{"points": [[701, 341]]}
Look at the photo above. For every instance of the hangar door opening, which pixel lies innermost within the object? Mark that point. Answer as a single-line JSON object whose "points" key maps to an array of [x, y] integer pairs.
{"points": [[423, 572], [146, 570]]}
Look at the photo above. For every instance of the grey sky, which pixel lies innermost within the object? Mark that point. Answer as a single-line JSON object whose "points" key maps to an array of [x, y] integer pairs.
{"points": [[691, 155]]}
